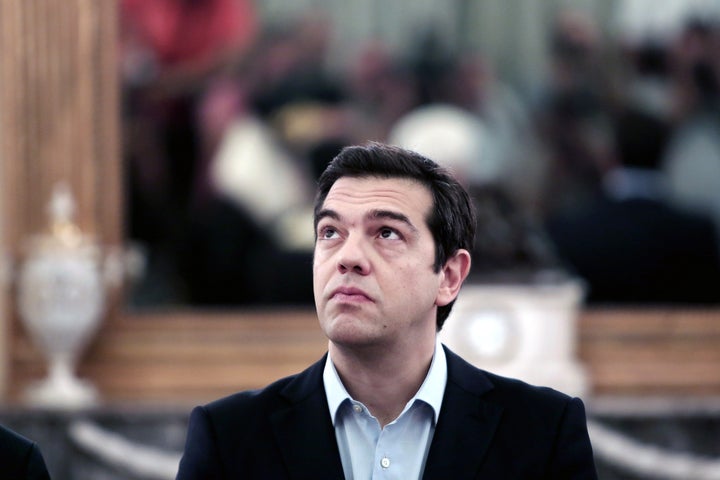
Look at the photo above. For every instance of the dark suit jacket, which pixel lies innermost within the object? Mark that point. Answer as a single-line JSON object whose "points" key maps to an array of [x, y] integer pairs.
{"points": [[20, 458], [489, 428], [640, 251]]}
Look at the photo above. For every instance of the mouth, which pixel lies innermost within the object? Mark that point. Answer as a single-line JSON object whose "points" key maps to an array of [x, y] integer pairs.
{"points": [[350, 294]]}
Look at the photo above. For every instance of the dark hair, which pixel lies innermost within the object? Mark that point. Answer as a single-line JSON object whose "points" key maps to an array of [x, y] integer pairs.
{"points": [[641, 138], [452, 217]]}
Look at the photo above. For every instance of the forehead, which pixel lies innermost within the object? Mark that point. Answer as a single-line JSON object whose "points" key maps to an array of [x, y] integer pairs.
{"points": [[369, 193]]}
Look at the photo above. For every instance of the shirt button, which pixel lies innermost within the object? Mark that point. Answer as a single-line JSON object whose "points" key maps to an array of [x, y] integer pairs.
{"points": [[385, 462], [357, 408]]}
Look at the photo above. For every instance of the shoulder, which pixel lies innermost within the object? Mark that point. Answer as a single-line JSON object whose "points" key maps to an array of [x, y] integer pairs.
{"points": [[540, 412], [521, 398], [511, 394], [20, 455], [250, 405], [236, 431], [249, 400], [13, 441]]}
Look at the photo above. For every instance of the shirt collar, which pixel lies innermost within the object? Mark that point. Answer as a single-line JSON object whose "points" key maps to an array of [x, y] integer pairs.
{"points": [[631, 182], [431, 391], [334, 389]]}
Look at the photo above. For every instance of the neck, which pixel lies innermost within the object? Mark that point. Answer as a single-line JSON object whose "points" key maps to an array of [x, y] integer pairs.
{"points": [[382, 378]]}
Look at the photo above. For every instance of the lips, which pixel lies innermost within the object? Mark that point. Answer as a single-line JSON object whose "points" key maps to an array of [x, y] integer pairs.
{"points": [[350, 294]]}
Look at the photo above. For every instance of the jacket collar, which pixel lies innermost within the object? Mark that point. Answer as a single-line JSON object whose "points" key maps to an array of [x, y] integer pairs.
{"points": [[466, 425], [465, 428], [303, 430]]}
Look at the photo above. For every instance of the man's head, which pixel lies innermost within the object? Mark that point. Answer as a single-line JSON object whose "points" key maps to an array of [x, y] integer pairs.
{"points": [[451, 218]]}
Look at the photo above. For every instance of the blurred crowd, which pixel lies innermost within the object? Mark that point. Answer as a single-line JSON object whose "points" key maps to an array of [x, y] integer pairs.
{"points": [[608, 171]]}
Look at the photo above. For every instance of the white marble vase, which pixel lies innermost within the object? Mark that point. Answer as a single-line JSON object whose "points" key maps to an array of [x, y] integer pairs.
{"points": [[60, 300], [61, 290]]}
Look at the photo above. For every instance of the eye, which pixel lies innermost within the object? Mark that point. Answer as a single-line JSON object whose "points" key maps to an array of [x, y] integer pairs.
{"points": [[388, 234], [327, 233]]}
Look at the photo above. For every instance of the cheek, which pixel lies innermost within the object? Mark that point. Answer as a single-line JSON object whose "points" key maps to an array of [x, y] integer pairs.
{"points": [[320, 272], [317, 259], [322, 251], [419, 279], [411, 278], [320, 263], [316, 272]]}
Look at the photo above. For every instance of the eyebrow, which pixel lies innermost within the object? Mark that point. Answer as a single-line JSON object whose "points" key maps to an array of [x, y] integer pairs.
{"points": [[372, 215], [389, 214], [326, 213]]}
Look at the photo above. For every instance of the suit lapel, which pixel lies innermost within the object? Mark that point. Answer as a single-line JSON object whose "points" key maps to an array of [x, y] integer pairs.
{"points": [[466, 424], [464, 431], [304, 431]]}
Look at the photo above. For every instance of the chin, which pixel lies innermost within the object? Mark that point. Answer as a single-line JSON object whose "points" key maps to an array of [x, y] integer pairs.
{"points": [[351, 335], [350, 325]]}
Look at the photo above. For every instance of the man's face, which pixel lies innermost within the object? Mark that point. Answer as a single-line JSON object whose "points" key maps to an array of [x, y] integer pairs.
{"points": [[373, 267]]}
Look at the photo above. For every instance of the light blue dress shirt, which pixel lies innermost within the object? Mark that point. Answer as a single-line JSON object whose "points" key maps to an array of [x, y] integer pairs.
{"points": [[399, 450]]}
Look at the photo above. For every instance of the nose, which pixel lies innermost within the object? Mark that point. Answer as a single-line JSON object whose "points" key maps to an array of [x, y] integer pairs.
{"points": [[352, 257]]}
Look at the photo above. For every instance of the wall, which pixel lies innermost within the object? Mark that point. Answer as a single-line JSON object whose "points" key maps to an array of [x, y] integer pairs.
{"points": [[4, 337]]}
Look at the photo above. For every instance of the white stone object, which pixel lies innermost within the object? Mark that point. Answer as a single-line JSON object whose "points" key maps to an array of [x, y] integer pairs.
{"points": [[61, 298], [521, 331]]}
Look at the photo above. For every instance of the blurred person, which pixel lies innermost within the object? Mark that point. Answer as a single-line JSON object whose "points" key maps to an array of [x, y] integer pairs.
{"points": [[511, 244], [170, 53], [260, 127], [692, 162], [244, 245], [631, 244], [673, 64], [290, 66], [510, 140], [20, 458], [393, 234], [452, 136], [381, 89], [571, 111], [173, 45]]}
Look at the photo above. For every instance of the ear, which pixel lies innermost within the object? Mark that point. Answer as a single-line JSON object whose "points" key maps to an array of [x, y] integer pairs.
{"points": [[454, 273]]}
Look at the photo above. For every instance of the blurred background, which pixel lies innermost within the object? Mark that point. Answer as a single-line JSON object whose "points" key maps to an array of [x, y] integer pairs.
{"points": [[587, 131], [193, 131]]}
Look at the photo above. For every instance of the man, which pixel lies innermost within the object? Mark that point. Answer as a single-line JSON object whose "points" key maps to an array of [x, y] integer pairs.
{"points": [[393, 234], [630, 243], [20, 458]]}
